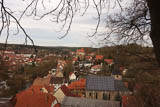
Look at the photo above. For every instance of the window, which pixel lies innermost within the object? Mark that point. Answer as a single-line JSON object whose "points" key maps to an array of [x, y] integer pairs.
{"points": [[109, 97], [105, 96], [90, 94], [96, 95]]}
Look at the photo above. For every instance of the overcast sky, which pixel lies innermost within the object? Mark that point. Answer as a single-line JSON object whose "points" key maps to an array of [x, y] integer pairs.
{"points": [[46, 33]]}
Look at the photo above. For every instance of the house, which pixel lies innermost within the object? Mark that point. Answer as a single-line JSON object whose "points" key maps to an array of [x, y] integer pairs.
{"points": [[57, 82], [42, 81], [74, 60], [33, 98], [96, 68], [88, 58], [9, 52], [41, 88], [50, 81], [58, 74], [80, 52], [99, 57], [78, 87], [91, 54], [86, 102], [61, 64], [108, 61], [104, 87], [52, 71], [124, 71], [62, 92], [72, 53], [72, 76], [88, 64]]}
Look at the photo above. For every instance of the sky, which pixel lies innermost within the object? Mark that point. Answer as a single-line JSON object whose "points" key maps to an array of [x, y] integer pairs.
{"points": [[47, 33]]}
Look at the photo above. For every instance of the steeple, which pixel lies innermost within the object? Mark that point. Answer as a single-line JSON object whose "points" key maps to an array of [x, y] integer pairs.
{"points": [[116, 68]]}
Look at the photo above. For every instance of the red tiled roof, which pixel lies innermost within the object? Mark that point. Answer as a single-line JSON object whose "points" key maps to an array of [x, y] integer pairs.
{"points": [[80, 84], [42, 81], [121, 68], [37, 88], [109, 61], [71, 73], [88, 57], [99, 57], [31, 98], [97, 67], [74, 59], [39, 60], [80, 50], [66, 91], [92, 54], [49, 88]]}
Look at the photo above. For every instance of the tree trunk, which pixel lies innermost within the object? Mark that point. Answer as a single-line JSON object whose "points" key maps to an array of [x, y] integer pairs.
{"points": [[154, 8]]}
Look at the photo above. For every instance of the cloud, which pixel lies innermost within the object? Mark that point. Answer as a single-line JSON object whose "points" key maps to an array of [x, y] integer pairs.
{"points": [[43, 32]]}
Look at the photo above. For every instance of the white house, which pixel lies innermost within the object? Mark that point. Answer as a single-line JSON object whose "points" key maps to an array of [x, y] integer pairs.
{"points": [[96, 68], [88, 65], [72, 76]]}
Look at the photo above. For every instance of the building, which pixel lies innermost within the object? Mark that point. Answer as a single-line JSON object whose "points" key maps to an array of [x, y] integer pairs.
{"points": [[50, 81], [104, 87], [99, 57], [86, 102], [116, 73], [44, 89], [42, 81], [33, 98], [59, 74], [78, 87], [72, 76], [57, 82], [88, 58], [62, 92], [80, 52], [96, 68], [87, 64], [108, 61]]}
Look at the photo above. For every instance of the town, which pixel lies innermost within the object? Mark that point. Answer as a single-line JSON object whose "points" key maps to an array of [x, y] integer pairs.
{"points": [[80, 78]]}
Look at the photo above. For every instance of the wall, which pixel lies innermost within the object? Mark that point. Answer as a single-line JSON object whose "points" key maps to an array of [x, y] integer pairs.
{"points": [[100, 94], [59, 95]]}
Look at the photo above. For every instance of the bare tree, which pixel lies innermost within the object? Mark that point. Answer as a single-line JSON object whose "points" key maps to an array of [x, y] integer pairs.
{"points": [[133, 25], [137, 24], [7, 18]]}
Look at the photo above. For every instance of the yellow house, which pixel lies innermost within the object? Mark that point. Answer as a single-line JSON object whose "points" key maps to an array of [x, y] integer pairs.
{"points": [[62, 92]]}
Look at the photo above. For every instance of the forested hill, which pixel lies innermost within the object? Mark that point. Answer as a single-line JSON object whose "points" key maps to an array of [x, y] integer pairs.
{"points": [[21, 47]]}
